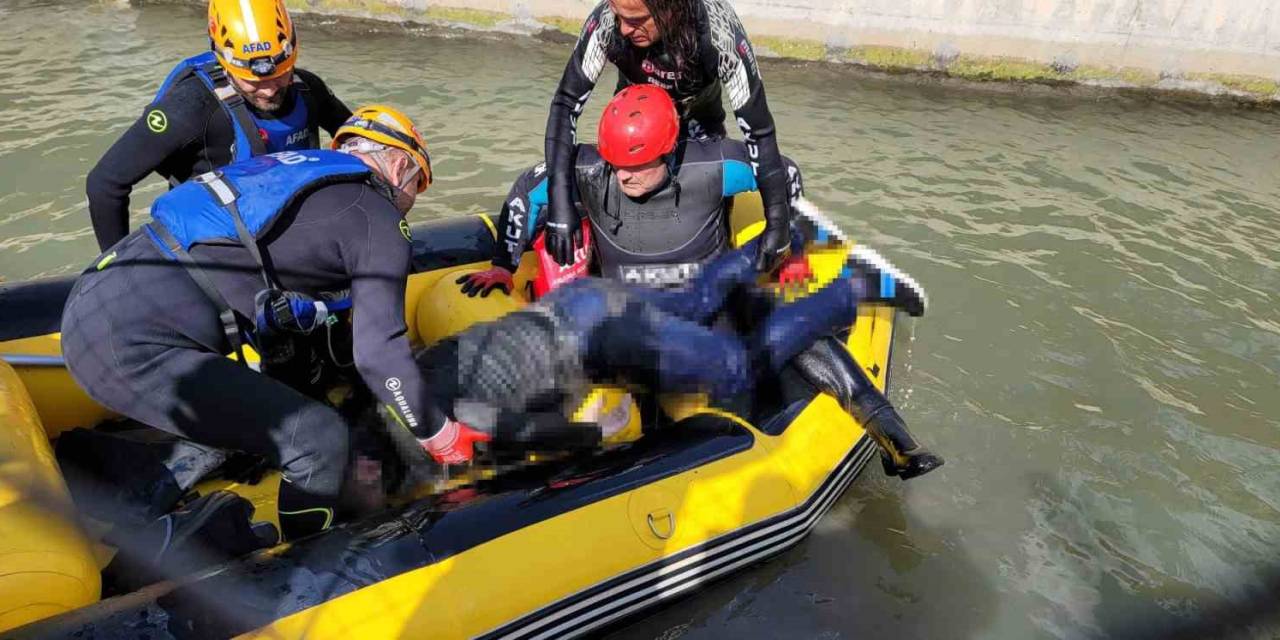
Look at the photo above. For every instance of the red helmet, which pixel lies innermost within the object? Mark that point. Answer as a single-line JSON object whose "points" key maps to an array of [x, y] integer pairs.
{"points": [[639, 125]]}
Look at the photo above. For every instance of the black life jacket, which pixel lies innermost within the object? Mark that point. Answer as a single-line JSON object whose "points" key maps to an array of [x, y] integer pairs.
{"points": [[662, 239]]}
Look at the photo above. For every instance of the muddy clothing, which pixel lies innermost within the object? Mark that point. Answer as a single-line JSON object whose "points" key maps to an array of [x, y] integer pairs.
{"points": [[724, 58], [187, 131], [144, 340], [660, 239]]}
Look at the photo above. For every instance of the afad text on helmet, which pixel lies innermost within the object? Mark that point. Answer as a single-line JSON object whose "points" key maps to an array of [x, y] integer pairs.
{"points": [[256, 47]]}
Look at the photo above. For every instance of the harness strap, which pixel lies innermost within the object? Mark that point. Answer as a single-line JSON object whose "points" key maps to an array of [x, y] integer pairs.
{"points": [[313, 116], [226, 195], [238, 110], [230, 322]]}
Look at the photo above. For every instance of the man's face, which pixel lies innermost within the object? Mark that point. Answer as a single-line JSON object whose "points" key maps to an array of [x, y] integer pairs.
{"points": [[265, 95], [642, 180], [635, 22]]}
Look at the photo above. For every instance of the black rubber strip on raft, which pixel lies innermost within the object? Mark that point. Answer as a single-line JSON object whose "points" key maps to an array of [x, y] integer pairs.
{"points": [[645, 586], [34, 307], [449, 242], [258, 590]]}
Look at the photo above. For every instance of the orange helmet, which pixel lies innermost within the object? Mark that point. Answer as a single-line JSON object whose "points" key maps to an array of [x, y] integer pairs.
{"points": [[253, 39], [391, 127]]}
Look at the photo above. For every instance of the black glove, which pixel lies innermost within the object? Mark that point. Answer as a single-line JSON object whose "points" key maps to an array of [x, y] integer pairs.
{"points": [[563, 231], [774, 242]]}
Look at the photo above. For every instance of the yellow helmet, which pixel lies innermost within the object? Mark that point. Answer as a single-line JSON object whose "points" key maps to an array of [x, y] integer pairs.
{"points": [[253, 39], [391, 127]]}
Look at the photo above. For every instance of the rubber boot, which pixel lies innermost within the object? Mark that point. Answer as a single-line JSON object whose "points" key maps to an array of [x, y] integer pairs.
{"points": [[900, 454], [828, 366]]}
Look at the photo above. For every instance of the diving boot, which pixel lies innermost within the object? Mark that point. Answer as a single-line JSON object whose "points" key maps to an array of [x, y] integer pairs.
{"points": [[876, 280], [302, 513], [900, 454]]}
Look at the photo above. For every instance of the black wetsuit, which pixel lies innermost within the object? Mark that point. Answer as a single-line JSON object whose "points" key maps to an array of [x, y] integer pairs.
{"points": [[724, 58], [659, 239], [142, 338], [193, 136]]}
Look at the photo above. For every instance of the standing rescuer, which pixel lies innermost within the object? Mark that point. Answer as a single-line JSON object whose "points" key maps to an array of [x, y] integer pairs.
{"points": [[691, 48], [273, 241], [242, 98]]}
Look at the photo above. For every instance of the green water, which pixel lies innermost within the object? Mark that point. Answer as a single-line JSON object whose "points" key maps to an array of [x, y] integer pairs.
{"points": [[1099, 365]]}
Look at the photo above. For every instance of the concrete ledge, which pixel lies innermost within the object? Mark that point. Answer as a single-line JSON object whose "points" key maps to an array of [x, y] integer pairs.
{"points": [[1189, 70]]}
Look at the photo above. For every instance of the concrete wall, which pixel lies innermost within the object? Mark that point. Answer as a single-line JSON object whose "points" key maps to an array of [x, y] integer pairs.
{"points": [[1170, 36], [1212, 46]]}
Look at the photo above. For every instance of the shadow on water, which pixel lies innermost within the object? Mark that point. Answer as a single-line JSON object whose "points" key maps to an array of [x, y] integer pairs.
{"points": [[1116, 593]]}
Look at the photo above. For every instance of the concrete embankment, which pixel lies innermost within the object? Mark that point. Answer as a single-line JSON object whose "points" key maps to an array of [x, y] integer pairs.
{"points": [[1226, 49]]}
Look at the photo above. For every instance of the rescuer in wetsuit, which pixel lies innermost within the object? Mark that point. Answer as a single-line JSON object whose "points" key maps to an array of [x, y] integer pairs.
{"points": [[273, 243], [690, 48], [657, 232], [658, 211], [243, 98]]}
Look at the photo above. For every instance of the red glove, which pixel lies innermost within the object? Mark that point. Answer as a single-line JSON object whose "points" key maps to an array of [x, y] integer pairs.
{"points": [[483, 282], [795, 270], [454, 443]]}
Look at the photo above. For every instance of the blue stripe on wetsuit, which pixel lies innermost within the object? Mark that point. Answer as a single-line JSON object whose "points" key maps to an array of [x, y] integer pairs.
{"points": [[737, 177], [537, 201]]}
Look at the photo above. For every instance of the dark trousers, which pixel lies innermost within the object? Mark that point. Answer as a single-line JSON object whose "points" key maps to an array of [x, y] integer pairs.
{"points": [[124, 353], [660, 337]]}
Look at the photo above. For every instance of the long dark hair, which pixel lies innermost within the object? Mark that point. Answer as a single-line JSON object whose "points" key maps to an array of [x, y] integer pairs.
{"points": [[677, 22]]}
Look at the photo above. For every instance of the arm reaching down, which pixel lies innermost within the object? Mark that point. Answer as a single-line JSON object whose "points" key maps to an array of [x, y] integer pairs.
{"points": [[576, 85], [379, 266], [740, 75]]}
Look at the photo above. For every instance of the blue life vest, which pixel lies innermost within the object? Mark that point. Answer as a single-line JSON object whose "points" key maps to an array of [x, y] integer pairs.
{"points": [[260, 189], [254, 135], [239, 203], [289, 132]]}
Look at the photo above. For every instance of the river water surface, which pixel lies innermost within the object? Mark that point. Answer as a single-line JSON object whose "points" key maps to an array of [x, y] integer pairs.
{"points": [[1099, 365]]}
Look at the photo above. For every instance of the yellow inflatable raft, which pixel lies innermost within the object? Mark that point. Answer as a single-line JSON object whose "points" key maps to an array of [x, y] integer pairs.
{"points": [[548, 550]]}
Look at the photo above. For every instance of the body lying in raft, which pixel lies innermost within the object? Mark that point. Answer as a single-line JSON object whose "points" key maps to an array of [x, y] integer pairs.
{"points": [[540, 361]]}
